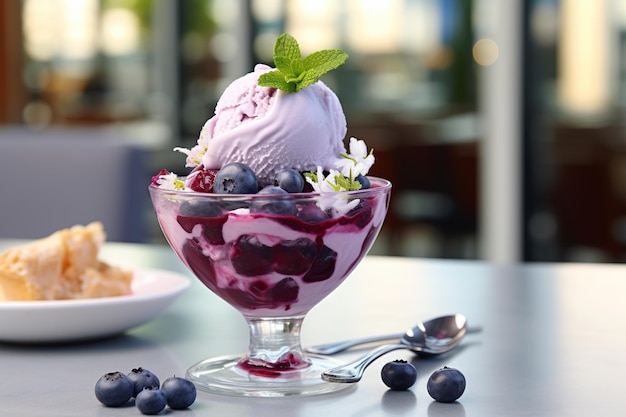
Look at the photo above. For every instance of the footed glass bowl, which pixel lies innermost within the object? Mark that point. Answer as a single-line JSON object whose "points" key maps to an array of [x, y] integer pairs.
{"points": [[273, 258]]}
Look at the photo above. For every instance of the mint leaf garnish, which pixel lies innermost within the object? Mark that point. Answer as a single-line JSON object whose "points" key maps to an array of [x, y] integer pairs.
{"points": [[286, 46], [293, 73], [277, 80]]}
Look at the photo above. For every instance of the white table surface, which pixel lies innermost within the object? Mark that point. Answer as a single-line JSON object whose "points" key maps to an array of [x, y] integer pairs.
{"points": [[553, 343]]}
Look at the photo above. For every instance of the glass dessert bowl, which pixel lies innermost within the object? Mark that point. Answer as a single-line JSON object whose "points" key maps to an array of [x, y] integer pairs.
{"points": [[272, 257]]}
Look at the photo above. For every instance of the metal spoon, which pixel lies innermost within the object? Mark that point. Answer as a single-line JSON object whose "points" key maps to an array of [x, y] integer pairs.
{"points": [[432, 337], [336, 347]]}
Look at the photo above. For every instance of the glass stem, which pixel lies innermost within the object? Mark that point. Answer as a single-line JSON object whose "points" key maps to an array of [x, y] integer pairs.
{"points": [[275, 343]]}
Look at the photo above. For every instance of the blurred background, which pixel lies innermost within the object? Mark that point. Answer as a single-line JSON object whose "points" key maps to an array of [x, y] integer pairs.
{"points": [[500, 125]]}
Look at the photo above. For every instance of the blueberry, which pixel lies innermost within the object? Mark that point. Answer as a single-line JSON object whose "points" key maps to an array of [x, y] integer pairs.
{"points": [[179, 392], [446, 385], [399, 375], [272, 190], [294, 257], [323, 266], [200, 208], [274, 204], [142, 378], [235, 178], [365, 182], [289, 180], [114, 389], [284, 291], [312, 214], [361, 214], [150, 400], [250, 257]]}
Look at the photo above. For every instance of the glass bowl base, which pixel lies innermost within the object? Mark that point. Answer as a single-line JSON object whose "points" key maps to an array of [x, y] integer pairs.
{"points": [[223, 375]]}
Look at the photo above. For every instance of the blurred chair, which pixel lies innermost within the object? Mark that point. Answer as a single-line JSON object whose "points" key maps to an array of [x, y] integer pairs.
{"points": [[51, 180]]}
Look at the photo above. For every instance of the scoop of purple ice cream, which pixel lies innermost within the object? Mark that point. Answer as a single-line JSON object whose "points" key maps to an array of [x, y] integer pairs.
{"points": [[269, 129]]}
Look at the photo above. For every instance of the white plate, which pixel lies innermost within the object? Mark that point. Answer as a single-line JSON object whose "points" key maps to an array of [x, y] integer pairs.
{"points": [[74, 320]]}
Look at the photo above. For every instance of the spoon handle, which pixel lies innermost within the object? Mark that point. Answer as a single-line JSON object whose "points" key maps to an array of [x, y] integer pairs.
{"points": [[336, 347], [353, 371]]}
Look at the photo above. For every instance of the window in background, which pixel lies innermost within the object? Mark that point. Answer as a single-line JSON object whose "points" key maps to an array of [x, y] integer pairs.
{"points": [[88, 65], [211, 49], [410, 89], [575, 169]]}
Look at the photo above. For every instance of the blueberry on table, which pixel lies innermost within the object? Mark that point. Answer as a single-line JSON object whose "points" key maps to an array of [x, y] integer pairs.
{"points": [[289, 180], [446, 385], [150, 400], [114, 389], [142, 378], [179, 392], [235, 178], [399, 375]]}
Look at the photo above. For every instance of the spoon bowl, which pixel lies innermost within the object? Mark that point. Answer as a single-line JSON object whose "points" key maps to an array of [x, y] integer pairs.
{"points": [[438, 325], [434, 337]]}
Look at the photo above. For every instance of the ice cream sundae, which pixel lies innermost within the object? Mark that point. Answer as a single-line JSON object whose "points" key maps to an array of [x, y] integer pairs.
{"points": [[274, 214]]}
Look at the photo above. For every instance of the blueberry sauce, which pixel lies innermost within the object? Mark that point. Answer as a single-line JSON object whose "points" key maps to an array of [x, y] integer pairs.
{"points": [[270, 264], [290, 362]]}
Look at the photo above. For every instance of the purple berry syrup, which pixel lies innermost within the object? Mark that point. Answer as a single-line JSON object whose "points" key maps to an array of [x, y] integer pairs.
{"points": [[291, 362], [272, 265], [253, 263]]}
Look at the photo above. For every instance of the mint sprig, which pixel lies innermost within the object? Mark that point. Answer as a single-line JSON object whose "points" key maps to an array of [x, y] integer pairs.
{"points": [[293, 73]]}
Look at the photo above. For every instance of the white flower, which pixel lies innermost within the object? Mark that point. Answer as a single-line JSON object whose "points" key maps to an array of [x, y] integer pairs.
{"points": [[322, 184], [328, 186], [170, 182], [357, 162], [194, 156]]}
